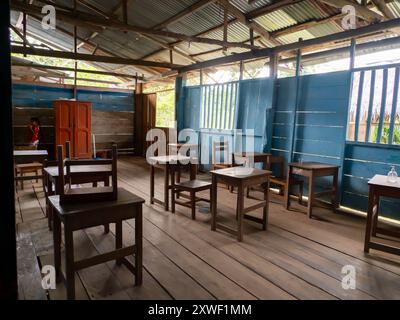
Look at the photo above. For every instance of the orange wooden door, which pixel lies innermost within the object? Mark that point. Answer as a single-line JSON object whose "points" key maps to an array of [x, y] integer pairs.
{"points": [[82, 130], [64, 122]]}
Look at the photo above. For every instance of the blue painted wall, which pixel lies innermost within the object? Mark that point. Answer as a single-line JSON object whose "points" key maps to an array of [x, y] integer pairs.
{"points": [[35, 96], [253, 111]]}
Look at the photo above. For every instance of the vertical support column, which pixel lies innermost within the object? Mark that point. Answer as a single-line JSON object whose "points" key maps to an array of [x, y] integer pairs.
{"points": [[24, 24], [241, 70], [8, 266], [180, 82], [273, 66], [297, 102], [75, 51]]}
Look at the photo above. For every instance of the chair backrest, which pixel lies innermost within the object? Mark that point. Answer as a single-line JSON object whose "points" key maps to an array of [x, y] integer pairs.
{"points": [[217, 148], [64, 171]]}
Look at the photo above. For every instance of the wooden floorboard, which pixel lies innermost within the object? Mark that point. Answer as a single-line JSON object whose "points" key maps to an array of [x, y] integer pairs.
{"points": [[297, 258]]}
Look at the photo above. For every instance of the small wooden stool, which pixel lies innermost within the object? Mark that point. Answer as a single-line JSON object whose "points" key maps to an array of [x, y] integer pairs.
{"points": [[192, 186], [22, 169]]}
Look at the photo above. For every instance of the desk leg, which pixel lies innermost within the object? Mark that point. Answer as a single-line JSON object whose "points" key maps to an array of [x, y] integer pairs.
{"points": [[139, 247], [118, 239], [106, 184], [166, 187], [193, 171], [69, 263], [371, 203], [152, 185], [214, 192], [335, 191], [310, 195], [266, 208], [173, 191], [239, 212], [288, 187], [57, 245], [375, 215]]}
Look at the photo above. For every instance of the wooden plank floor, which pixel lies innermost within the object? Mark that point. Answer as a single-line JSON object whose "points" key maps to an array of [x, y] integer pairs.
{"points": [[296, 258]]}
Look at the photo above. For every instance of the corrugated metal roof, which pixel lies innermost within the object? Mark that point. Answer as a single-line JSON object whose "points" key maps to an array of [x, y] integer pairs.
{"points": [[150, 13]]}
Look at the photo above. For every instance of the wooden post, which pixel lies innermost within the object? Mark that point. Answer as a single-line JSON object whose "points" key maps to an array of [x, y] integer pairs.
{"points": [[201, 77], [353, 48], [273, 66], [252, 37], [225, 26], [8, 265], [241, 70], [75, 51], [24, 28], [298, 89]]}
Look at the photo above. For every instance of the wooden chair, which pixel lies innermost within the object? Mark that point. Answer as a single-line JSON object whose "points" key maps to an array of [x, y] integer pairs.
{"points": [[280, 180], [218, 147], [70, 195], [192, 187]]}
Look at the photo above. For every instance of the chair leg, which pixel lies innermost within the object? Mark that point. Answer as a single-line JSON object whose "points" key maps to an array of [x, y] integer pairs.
{"points": [[37, 173], [301, 192], [193, 204], [248, 192], [174, 194]]}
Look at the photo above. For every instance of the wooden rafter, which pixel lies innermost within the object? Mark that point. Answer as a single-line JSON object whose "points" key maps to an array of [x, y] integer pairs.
{"points": [[85, 20], [382, 6], [265, 52], [184, 13], [244, 20], [361, 11], [47, 67], [250, 15], [91, 58]]}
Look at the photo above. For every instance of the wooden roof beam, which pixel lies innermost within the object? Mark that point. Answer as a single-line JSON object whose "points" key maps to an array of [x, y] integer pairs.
{"points": [[184, 13], [89, 21], [91, 58], [382, 6], [265, 52], [361, 11], [244, 20], [47, 67]]}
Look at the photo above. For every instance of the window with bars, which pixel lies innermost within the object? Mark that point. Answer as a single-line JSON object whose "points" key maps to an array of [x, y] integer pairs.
{"points": [[374, 114], [218, 106]]}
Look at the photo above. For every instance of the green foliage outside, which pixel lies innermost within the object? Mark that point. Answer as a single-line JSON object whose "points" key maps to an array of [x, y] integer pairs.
{"points": [[165, 113], [385, 135]]}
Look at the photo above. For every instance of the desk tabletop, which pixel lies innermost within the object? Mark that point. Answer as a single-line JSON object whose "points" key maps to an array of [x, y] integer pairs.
{"points": [[171, 159], [312, 165], [125, 198], [251, 154], [181, 144], [28, 153], [241, 172], [53, 171], [380, 180]]}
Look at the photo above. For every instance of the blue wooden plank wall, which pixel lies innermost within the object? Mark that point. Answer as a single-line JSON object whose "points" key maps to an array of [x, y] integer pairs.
{"points": [[321, 117], [362, 162], [35, 96], [252, 102]]}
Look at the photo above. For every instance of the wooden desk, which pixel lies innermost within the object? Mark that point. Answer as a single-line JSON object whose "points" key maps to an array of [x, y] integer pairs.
{"points": [[175, 147], [78, 175], [267, 159], [86, 215], [166, 163], [29, 156], [379, 187], [241, 178], [312, 170]]}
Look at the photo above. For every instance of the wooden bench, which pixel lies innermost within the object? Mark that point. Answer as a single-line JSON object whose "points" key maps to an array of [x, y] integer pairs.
{"points": [[29, 168]]}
